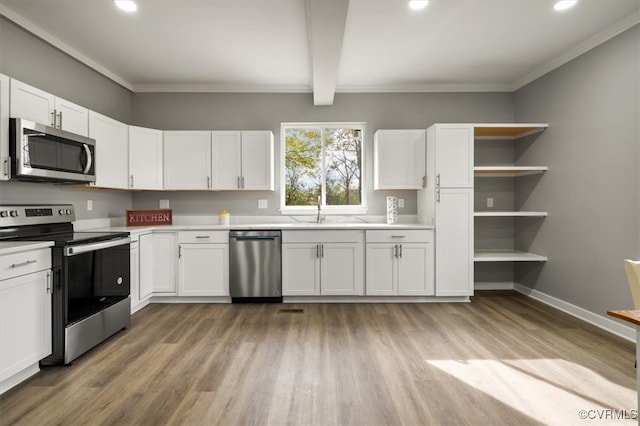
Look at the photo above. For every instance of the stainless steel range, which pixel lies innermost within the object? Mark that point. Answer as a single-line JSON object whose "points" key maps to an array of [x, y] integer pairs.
{"points": [[91, 276]]}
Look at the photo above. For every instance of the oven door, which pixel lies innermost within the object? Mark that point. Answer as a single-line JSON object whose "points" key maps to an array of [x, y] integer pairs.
{"points": [[44, 153], [96, 276]]}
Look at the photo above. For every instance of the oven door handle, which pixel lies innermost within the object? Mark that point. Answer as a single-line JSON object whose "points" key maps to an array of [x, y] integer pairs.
{"points": [[74, 250]]}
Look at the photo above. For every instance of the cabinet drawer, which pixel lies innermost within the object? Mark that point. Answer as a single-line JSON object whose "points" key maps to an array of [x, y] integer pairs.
{"points": [[24, 262], [329, 236], [203, 237], [400, 236]]}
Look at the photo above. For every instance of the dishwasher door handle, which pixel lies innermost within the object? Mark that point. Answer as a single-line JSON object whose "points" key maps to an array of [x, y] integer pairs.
{"points": [[272, 237]]}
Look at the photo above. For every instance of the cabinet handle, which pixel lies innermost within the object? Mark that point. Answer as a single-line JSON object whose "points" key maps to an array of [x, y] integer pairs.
{"points": [[242, 182], [239, 182], [438, 195], [317, 250], [28, 262], [400, 245], [198, 237], [179, 252], [60, 120], [131, 179], [398, 236], [53, 118], [49, 287], [395, 250], [438, 180], [424, 181], [7, 166], [208, 182], [321, 250]]}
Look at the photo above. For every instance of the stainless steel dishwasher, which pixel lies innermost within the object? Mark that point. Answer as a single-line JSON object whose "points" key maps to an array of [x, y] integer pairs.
{"points": [[255, 266]]}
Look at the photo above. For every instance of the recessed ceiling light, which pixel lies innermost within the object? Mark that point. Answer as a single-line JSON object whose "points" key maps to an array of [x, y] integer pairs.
{"points": [[564, 4], [126, 5], [418, 4]]}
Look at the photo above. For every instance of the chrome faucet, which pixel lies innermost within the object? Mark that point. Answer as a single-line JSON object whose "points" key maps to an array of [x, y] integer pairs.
{"points": [[319, 218]]}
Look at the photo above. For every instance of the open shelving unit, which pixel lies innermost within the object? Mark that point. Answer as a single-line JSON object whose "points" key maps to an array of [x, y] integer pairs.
{"points": [[495, 157]]}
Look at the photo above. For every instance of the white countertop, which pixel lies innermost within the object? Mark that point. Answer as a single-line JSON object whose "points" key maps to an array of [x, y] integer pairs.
{"points": [[8, 247]]}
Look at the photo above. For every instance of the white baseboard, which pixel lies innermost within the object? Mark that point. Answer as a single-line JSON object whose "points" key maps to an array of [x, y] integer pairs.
{"points": [[498, 285], [600, 321], [18, 378], [374, 299]]}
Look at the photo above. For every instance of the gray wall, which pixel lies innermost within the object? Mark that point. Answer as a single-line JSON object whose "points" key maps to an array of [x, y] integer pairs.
{"points": [[35, 62], [179, 111], [592, 188]]}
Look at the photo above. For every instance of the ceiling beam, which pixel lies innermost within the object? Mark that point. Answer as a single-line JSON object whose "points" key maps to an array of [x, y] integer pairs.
{"points": [[326, 21]]}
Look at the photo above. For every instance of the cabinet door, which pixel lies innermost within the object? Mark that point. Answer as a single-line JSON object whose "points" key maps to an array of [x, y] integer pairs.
{"points": [[454, 155], [164, 262], [31, 103], [187, 160], [398, 157], [25, 322], [146, 266], [454, 242], [341, 269], [112, 151], [145, 158], [5, 167], [204, 270], [71, 117], [257, 160], [226, 155], [300, 269], [381, 270], [415, 270]]}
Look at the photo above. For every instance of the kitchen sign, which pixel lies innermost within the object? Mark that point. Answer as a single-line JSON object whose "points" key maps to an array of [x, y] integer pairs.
{"points": [[149, 217]]}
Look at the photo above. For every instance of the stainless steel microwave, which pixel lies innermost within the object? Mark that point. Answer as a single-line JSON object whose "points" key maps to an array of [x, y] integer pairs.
{"points": [[41, 153]]}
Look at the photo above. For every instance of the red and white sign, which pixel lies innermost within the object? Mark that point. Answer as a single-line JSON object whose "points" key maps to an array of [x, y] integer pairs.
{"points": [[149, 217]]}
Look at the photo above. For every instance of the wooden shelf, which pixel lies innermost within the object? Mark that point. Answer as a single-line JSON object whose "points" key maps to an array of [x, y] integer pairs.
{"points": [[508, 171], [506, 130], [506, 256], [509, 214]]}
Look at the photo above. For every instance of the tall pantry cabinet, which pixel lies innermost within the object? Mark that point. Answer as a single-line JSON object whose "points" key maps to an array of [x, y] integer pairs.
{"points": [[447, 203]]}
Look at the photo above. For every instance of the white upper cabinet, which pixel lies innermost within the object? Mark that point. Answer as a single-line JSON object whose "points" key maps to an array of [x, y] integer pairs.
{"points": [[37, 105], [257, 160], [242, 160], [5, 163], [145, 158], [187, 160], [454, 155], [398, 157], [112, 151]]}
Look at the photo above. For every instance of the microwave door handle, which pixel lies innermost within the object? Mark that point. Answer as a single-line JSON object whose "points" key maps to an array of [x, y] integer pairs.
{"points": [[89, 158]]}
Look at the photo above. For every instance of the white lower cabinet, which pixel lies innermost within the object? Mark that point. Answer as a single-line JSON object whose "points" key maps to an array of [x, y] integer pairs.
{"points": [[25, 315], [322, 263], [454, 242], [400, 263], [203, 267], [158, 262]]}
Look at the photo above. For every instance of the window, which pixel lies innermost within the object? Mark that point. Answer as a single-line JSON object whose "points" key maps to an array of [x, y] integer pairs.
{"points": [[323, 161]]}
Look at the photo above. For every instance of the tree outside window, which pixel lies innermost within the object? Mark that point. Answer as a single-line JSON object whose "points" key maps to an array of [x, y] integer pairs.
{"points": [[323, 161]]}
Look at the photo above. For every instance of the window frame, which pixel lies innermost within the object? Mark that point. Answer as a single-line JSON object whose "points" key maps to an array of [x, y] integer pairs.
{"points": [[325, 209]]}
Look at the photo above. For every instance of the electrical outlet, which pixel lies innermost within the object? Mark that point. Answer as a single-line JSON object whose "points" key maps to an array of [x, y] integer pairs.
{"points": [[401, 203], [489, 202], [164, 204], [89, 205], [263, 204]]}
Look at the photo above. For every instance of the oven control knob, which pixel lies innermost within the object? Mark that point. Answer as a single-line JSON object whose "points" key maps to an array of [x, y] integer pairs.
{"points": [[4, 213], [61, 211], [14, 213], [67, 211]]}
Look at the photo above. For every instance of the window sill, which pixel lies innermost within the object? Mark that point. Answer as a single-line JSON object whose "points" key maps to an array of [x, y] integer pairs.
{"points": [[325, 211]]}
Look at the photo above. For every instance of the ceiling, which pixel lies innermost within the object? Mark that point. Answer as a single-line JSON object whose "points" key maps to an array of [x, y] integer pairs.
{"points": [[323, 46]]}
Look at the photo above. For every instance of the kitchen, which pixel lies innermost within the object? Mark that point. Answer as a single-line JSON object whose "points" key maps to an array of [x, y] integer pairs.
{"points": [[565, 98]]}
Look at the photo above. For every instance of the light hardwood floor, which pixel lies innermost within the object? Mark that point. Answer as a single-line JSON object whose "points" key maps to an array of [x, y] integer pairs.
{"points": [[502, 359]]}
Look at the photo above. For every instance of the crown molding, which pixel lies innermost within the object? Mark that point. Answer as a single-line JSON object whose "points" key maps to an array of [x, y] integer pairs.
{"points": [[592, 42], [60, 45], [220, 88], [424, 88]]}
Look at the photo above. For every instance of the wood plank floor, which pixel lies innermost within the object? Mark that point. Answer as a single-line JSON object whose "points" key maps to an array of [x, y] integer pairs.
{"points": [[502, 359]]}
